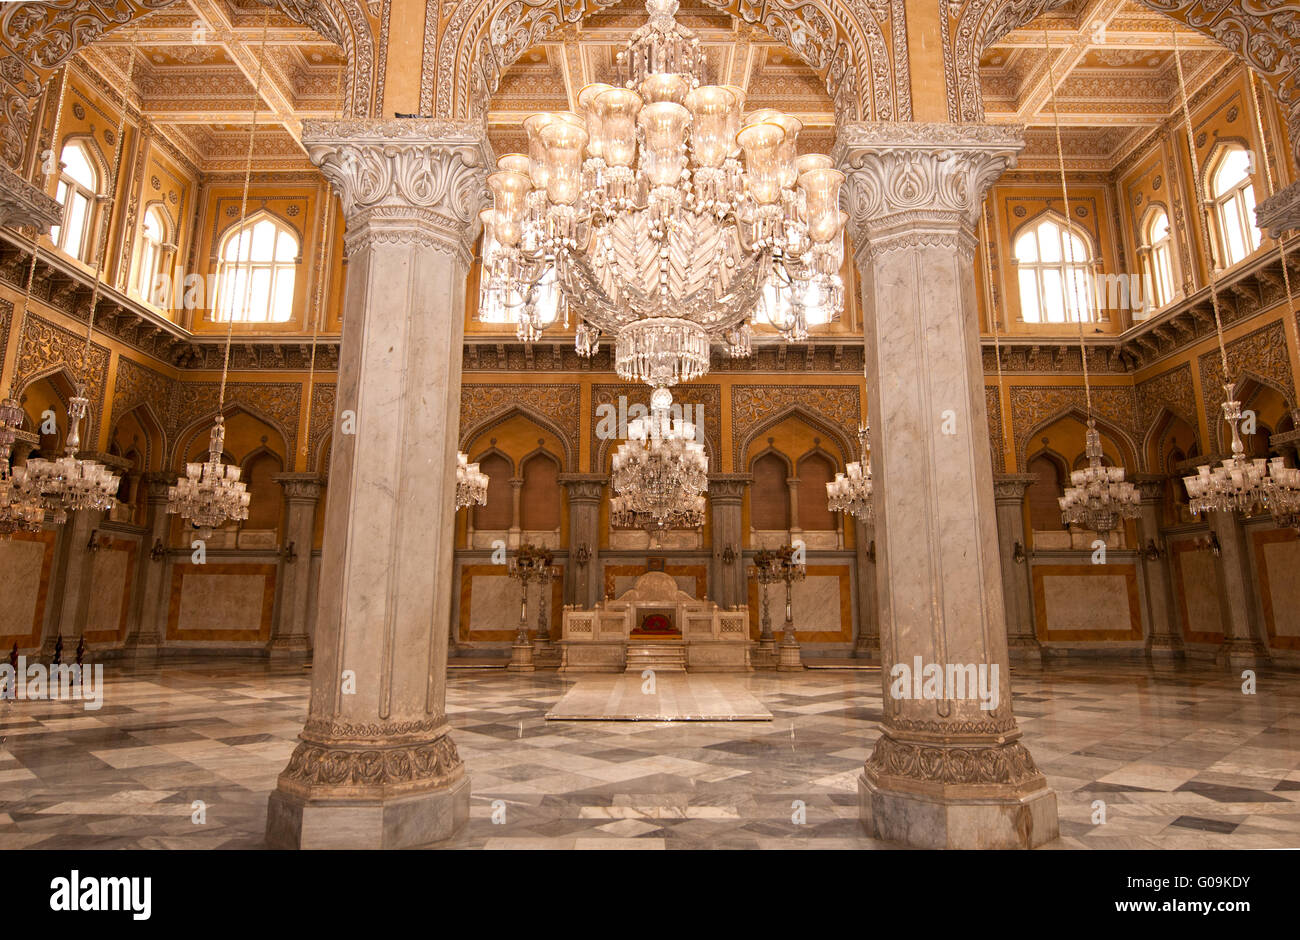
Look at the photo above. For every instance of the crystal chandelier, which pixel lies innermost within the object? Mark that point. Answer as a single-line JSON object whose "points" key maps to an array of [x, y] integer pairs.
{"points": [[660, 472], [641, 213], [471, 483], [1098, 496], [68, 483], [21, 508], [850, 492], [1240, 484]]}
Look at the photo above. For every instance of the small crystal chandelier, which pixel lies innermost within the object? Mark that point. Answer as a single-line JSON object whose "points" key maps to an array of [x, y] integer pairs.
{"points": [[1240, 484], [210, 494], [850, 492], [641, 213], [68, 483], [660, 472], [471, 483], [1098, 496], [21, 508]]}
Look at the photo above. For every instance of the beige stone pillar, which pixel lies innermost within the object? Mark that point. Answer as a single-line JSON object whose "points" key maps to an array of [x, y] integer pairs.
{"points": [[301, 496], [867, 645], [582, 581], [727, 578], [376, 766], [515, 538], [151, 611], [74, 566], [945, 772], [1242, 647], [792, 489], [1009, 497], [1164, 639]]}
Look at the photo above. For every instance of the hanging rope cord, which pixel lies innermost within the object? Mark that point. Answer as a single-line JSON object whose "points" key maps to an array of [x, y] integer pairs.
{"points": [[243, 215], [101, 249], [1069, 226], [1281, 241]]}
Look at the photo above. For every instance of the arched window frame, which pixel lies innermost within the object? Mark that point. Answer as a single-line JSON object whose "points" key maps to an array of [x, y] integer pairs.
{"points": [[1234, 207], [237, 261], [1047, 276], [152, 253], [1156, 254], [79, 199]]}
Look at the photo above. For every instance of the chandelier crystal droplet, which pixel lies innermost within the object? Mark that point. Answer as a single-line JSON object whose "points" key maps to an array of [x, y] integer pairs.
{"points": [[660, 473], [210, 494], [663, 218], [471, 483], [850, 492], [1098, 496]]}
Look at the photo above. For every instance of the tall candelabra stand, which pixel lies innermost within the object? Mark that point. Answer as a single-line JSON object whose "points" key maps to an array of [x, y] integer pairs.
{"points": [[791, 571], [766, 571], [544, 650], [529, 564]]}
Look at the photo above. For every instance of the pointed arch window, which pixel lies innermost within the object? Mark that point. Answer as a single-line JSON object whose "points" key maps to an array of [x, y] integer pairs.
{"points": [[1056, 273], [1157, 258], [256, 271], [1233, 194], [77, 192]]}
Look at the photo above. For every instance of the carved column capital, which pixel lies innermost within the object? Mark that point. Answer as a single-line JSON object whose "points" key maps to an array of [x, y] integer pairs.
{"points": [[406, 180], [305, 487], [1011, 486], [1150, 486], [21, 203], [725, 487], [920, 184], [158, 482], [584, 487], [1280, 212]]}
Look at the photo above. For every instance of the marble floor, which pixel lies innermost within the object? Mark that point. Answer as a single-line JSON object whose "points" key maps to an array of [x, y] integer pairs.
{"points": [[184, 755], [664, 697]]}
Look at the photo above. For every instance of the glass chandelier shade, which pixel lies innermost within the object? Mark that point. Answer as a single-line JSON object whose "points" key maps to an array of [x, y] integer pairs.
{"points": [[69, 483], [663, 215], [1098, 497], [21, 508], [659, 474], [1244, 485], [850, 492], [210, 494], [471, 483]]}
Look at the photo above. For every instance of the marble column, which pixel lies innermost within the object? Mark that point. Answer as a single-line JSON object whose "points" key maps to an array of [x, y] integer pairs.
{"points": [[1242, 647], [867, 645], [301, 496], [71, 585], [792, 489], [949, 769], [151, 611], [376, 766], [582, 580], [515, 538], [727, 575], [1164, 640], [1009, 497]]}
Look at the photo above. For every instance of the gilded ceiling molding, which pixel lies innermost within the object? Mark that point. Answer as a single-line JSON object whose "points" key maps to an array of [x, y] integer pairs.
{"points": [[1265, 34], [37, 38], [858, 49]]}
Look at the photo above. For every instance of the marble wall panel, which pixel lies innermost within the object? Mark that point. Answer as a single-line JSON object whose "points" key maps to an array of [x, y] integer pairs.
{"points": [[26, 562], [1277, 554], [1087, 603], [221, 603]]}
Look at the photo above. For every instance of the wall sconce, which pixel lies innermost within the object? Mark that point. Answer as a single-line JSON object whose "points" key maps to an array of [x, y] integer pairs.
{"points": [[728, 554], [157, 553], [93, 544], [1153, 552], [1018, 554], [582, 555], [288, 554], [871, 551]]}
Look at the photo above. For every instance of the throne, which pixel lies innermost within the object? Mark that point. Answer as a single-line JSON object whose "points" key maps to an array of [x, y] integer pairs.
{"points": [[655, 623]]}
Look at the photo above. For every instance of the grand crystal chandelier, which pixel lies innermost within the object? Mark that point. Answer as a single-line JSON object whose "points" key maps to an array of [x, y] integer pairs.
{"points": [[21, 507], [210, 494], [660, 472], [69, 483], [1098, 496], [641, 215], [471, 483], [850, 492]]}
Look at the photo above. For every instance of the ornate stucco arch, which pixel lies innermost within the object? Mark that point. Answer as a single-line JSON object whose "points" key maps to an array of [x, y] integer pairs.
{"points": [[858, 49], [1263, 34], [37, 38]]}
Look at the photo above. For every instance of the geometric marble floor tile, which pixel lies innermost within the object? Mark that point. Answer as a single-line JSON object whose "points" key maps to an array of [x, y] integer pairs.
{"points": [[1139, 757]]}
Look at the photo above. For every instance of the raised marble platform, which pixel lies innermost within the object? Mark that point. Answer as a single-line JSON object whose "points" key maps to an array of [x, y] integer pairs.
{"points": [[665, 698]]}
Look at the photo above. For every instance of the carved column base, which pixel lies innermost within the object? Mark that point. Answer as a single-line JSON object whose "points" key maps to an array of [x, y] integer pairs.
{"points": [[521, 658], [295, 647], [1024, 649], [867, 647], [346, 789], [546, 655], [1241, 653], [789, 657], [142, 646], [1166, 647], [944, 792]]}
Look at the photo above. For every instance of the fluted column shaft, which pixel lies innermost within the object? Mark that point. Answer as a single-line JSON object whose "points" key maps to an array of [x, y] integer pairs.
{"points": [[301, 495], [1242, 647], [376, 766], [948, 770], [151, 613], [1009, 497], [1164, 638], [582, 573], [867, 644], [727, 578]]}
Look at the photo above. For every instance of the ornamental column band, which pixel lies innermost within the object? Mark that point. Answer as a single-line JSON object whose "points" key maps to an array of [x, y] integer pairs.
{"points": [[945, 772], [376, 766]]}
